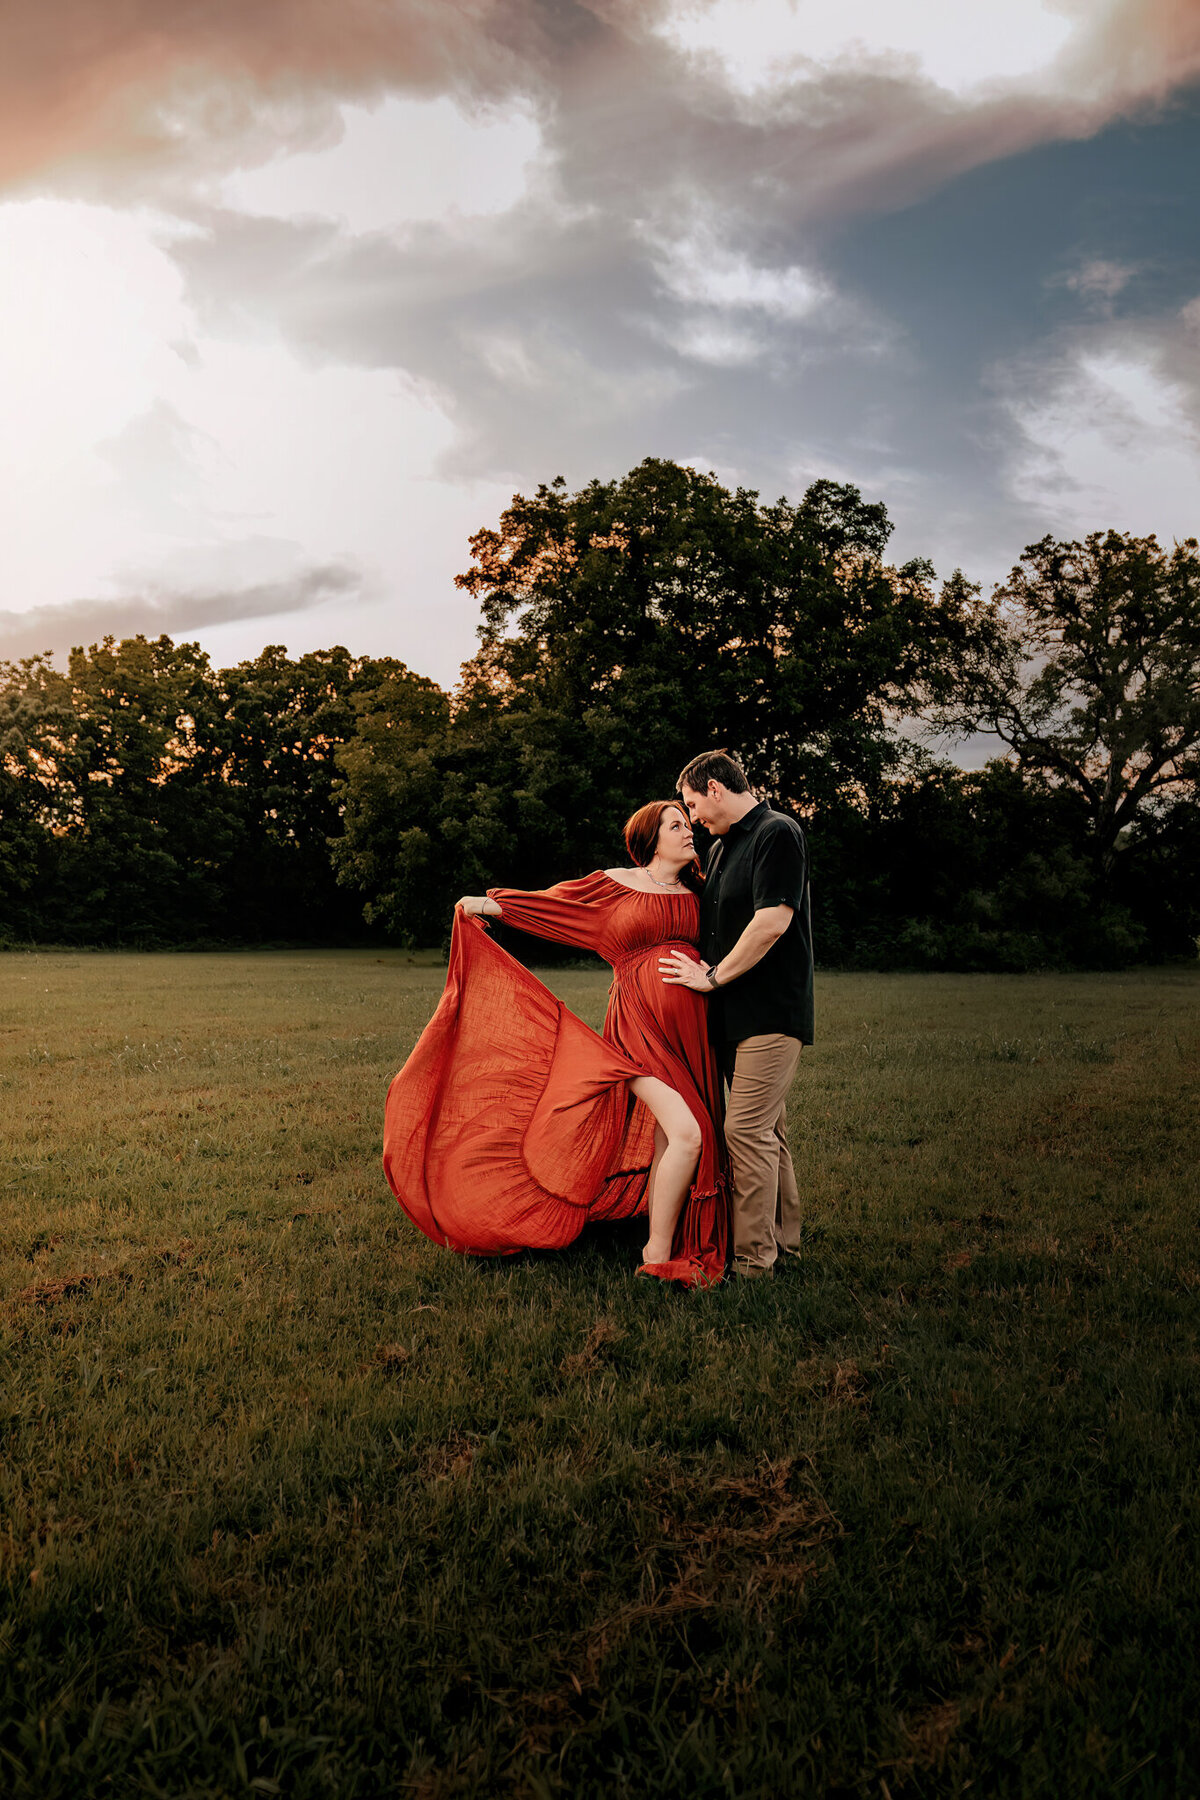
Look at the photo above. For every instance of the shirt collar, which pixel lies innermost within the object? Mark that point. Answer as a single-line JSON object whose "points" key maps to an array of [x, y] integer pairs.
{"points": [[748, 820]]}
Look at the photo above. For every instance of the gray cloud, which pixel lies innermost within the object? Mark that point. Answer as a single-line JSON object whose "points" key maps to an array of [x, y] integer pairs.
{"points": [[157, 610], [560, 337]]}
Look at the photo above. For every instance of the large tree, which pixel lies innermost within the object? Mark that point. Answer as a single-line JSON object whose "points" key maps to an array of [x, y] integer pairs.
{"points": [[404, 825], [142, 815], [146, 797], [1086, 663], [632, 623], [285, 720], [36, 717]]}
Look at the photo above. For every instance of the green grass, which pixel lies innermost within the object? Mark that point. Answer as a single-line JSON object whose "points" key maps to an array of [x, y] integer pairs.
{"points": [[293, 1502]]}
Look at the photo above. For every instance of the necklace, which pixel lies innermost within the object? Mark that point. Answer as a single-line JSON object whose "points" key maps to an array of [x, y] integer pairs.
{"points": [[665, 884]]}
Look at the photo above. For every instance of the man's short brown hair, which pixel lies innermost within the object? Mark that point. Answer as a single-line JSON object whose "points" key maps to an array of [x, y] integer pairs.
{"points": [[714, 765]]}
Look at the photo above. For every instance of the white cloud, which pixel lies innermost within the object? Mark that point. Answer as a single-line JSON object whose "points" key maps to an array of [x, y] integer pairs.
{"points": [[958, 44], [1100, 279], [402, 160], [701, 270], [731, 307], [1110, 444], [710, 341]]}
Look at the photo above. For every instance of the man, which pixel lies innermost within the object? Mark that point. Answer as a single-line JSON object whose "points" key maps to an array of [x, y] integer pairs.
{"points": [[757, 971]]}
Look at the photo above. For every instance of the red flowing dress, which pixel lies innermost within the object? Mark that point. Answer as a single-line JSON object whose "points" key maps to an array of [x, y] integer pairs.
{"points": [[511, 1125]]}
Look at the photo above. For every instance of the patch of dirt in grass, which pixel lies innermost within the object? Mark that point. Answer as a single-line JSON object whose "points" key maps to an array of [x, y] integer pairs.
{"points": [[52, 1290], [738, 1542], [846, 1385], [603, 1334], [61, 1287], [762, 1538], [38, 1245], [927, 1740], [173, 1255], [459, 1776], [969, 1646], [449, 1460], [930, 1732]]}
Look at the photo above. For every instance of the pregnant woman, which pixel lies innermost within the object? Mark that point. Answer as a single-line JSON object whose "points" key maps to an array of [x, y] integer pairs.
{"points": [[512, 1124]]}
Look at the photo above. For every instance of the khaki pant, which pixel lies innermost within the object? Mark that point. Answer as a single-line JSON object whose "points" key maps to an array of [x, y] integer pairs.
{"points": [[766, 1202]]}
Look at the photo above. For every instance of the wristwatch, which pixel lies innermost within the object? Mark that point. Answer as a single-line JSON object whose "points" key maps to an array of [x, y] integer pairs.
{"points": [[711, 973]]}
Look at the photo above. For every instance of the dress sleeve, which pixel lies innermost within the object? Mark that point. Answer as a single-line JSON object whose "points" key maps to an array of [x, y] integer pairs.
{"points": [[570, 912]]}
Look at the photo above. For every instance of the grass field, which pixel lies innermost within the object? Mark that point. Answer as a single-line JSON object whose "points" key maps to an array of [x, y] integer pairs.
{"points": [[292, 1502]]}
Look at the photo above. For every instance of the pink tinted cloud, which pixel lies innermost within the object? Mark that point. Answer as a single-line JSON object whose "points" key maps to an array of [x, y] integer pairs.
{"points": [[123, 85], [110, 94]]}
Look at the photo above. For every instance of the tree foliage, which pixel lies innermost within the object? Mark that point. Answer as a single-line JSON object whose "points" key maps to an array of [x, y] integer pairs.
{"points": [[661, 612], [1087, 664], [393, 847], [974, 869], [149, 798]]}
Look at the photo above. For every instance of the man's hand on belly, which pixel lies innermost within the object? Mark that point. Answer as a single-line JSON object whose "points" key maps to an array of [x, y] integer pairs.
{"points": [[681, 970]]}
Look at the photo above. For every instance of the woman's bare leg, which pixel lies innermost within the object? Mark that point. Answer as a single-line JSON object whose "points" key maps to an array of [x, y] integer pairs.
{"points": [[660, 1144], [674, 1164]]}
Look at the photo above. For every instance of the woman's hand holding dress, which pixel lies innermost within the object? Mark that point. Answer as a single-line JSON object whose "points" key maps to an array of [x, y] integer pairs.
{"points": [[478, 906]]}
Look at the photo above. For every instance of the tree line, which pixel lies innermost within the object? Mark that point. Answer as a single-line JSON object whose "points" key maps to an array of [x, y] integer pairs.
{"points": [[147, 798]]}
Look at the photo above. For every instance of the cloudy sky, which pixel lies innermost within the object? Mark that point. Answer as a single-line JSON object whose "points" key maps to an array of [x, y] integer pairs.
{"points": [[295, 294]]}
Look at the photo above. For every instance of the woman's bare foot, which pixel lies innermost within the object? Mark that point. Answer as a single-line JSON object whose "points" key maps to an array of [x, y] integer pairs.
{"points": [[656, 1253]]}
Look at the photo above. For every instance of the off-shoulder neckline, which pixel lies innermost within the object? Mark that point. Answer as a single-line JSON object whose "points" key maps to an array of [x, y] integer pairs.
{"points": [[648, 892]]}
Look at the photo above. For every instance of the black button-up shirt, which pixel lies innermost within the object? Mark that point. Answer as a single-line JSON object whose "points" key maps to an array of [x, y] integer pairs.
{"points": [[761, 861]]}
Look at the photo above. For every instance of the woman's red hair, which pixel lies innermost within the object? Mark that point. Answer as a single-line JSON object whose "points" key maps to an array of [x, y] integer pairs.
{"points": [[641, 839]]}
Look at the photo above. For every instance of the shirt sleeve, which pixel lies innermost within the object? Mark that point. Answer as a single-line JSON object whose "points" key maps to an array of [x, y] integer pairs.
{"points": [[780, 867]]}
